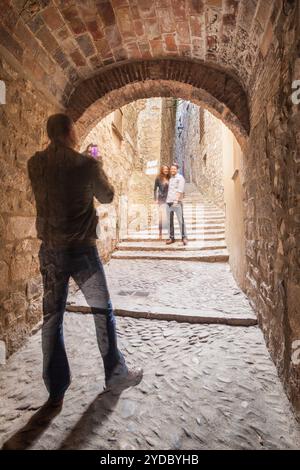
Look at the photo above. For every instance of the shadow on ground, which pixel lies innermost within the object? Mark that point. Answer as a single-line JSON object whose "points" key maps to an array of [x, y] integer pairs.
{"points": [[95, 415]]}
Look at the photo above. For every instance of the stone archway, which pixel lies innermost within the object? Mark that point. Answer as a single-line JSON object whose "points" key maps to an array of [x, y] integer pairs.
{"points": [[208, 86], [66, 52]]}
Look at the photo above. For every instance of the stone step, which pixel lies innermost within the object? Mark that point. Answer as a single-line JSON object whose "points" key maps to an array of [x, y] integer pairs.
{"points": [[155, 237], [172, 314], [204, 210], [189, 227], [201, 221], [177, 246], [200, 218], [210, 256], [154, 233]]}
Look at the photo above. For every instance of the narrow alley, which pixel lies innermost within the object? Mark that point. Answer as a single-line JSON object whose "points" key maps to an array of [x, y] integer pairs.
{"points": [[208, 381], [118, 118]]}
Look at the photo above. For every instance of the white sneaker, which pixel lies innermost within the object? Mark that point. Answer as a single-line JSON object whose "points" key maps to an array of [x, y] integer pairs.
{"points": [[124, 377]]}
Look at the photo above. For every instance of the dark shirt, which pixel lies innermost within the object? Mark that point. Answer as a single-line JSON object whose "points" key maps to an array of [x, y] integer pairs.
{"points": [[64, 183], [160, 190]]}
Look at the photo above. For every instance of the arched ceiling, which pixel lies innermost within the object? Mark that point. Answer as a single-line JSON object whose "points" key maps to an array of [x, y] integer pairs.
{"points": [[60, 43], [112, 88]]}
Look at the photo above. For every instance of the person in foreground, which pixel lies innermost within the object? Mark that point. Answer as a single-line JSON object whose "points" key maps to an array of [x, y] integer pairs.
{"points": [[64, 183], [174, 204]]}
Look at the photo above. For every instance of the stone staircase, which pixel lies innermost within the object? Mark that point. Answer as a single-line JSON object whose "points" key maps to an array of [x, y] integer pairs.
{"points": [[197, 288], [205, 225]]}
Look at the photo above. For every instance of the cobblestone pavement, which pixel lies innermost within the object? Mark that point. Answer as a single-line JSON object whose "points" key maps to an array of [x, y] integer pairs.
{"points": [[204, 287], [204, 387]]}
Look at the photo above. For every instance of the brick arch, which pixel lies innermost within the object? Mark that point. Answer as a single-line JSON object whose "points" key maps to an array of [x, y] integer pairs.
{"points": [[204, 85]]}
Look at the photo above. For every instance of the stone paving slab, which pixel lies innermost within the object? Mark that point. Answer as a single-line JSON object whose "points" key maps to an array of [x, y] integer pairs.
{"points": [[204, 387]]}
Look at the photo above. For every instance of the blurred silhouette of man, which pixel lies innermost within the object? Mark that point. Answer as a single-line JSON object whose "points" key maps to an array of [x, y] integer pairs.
{"points": [[64, 183]]}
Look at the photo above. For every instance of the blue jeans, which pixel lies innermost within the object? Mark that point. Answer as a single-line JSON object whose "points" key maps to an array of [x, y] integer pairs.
{"points": [[83, 264], [178, 209]]}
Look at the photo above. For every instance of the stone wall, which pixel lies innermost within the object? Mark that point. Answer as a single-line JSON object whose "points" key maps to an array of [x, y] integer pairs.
{"points": [[207, 168], [186, 144], [22, 133], [234, 198], [198, 149], [272, 195], [168, 129], [140, 193], [259, 43], [131, 161], [119, 148]]}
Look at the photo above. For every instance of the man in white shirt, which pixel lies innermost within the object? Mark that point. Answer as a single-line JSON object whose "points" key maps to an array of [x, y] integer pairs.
{"points": [[174, 204]]}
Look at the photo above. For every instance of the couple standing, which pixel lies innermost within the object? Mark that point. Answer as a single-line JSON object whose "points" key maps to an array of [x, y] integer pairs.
{"points": [[168, 193]]}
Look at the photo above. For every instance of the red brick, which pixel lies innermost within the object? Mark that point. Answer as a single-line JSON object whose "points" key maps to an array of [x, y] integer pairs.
{"points": [[86, 44], [113, 36], [25, 36], [95, 30], [103, 48], [162, 3], [47, 39], [183, 32], [170, 42], [120, 54], [8, 16], [135, 12], [62, 33], [196, 6], [179, 8], [35, 23], [119, 3], [196, 25], [133, 51], [152, 28], [145, 49], [139, 27], [10, 43], [75, 22], [146, 8], [78, 58], [125, 22], [184, 50], [77, 26], [214, 3], [157, 47], [52, 18], [87, 12], [61, 59], [166, 20], [212, 42], [96, 61], [70, 12], [106, 13]]}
